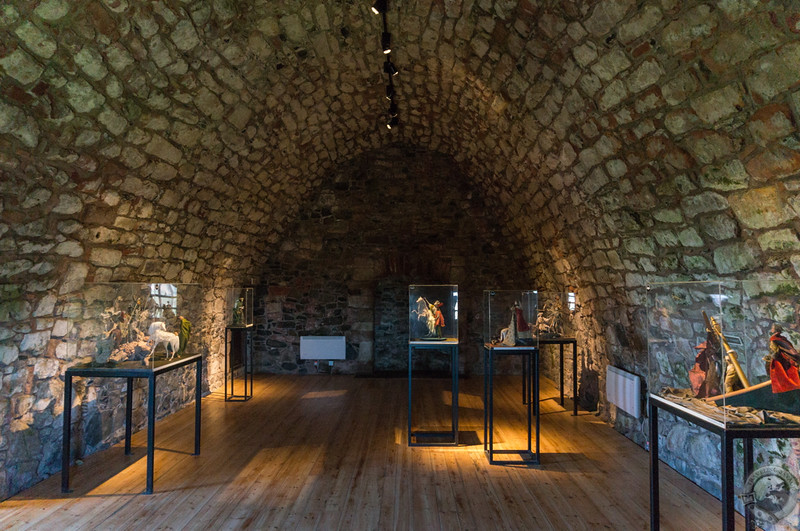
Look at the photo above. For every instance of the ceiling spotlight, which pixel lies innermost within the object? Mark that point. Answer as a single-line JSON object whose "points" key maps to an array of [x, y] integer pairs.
{"points": [[379, 7], [386, 42], [389, 68], [393, 121], [389, 91], [393, 109]]}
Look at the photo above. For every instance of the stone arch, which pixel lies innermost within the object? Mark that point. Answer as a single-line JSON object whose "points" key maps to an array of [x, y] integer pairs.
{"points": [[396, 212]]}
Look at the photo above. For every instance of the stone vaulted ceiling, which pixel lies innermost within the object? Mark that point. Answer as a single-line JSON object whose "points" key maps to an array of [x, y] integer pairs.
{"points": [[601, 130], [215, 119]]}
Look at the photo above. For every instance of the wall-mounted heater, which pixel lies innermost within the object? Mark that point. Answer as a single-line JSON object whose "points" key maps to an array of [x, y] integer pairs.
{"points": [[322, 348], [623, 389]]}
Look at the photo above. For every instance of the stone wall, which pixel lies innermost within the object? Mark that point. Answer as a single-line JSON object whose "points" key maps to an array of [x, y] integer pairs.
{"points": [[665, 137], [624, 142], [391, 217]]}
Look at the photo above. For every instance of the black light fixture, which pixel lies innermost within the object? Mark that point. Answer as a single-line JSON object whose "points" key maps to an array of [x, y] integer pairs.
{"points": [[389, 68], [379, 7], [386, 42]]}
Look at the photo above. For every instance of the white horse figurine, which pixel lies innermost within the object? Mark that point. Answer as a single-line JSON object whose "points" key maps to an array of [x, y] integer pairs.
{"points": [[158, 334]]}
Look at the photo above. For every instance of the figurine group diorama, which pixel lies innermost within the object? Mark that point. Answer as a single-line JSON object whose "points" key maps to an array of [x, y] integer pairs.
{"points": [[780, 393], [135, 330], [431, 313], [520, 332]]}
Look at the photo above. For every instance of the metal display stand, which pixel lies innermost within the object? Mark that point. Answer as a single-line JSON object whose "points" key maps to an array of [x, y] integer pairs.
{"points": [[728, 434], [238, 348], [530, 398], [561, 341], [130, 370], [451, 437]]}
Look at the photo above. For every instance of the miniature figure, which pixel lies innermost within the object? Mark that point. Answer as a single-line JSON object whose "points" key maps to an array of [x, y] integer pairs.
{"points": [[434, 319], [518, 331], [549, 320], [169, 313], [704, 376], [158, 335], [238, 311], [438, 318], [184, 329], [782, 362]]}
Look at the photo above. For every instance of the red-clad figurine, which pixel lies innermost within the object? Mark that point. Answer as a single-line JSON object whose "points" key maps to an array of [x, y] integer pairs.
{"points": [[438, 317], [783, 360]]}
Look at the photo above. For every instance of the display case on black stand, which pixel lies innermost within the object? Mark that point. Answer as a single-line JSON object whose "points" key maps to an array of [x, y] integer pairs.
{"points": [[722, 357], [509, 331], [555, 326], [131, 331], [238, 344], [433, 329]]}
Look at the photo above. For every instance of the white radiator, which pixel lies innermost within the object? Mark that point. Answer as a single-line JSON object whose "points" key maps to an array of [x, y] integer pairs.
{"points": [[322, 348], [623, 389]]}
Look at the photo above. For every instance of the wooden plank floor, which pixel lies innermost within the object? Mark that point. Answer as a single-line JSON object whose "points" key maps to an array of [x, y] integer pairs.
{"points": [[329, 452]]}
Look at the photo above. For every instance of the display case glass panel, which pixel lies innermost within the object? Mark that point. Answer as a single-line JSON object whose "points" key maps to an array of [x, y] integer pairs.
{"points": [[239, 307], [726, 350], [134, 324], [433, 312], [509, 317], [555, 314]]}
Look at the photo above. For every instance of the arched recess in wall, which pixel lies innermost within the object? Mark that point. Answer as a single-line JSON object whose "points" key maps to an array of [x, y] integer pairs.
{"points": [[400, 204]]}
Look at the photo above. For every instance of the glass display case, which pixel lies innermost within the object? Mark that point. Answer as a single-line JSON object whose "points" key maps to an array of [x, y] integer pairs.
{"points": [[144, 325], [555, 314], [510, 317], [239, 307], [726, 350], [433, 312]]}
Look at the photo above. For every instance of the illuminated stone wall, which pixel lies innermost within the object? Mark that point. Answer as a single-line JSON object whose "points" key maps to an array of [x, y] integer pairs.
{"points": [[621, 142]]}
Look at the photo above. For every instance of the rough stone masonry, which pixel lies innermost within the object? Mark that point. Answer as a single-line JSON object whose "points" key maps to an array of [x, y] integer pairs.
{"points": [[620, 142]]}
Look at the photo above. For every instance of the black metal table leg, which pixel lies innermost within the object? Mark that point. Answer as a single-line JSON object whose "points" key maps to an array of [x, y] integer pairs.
{"points": [[561, 367], [526, 373], [151, 430], [454, 391], [654, 500], [410, 364], [198, 400], [250, 355], [535, 386], [574, 378], [728, 513], [65, 449], [524, 390], [128, 415], [227, 331], [485, 399], [491, 407]]}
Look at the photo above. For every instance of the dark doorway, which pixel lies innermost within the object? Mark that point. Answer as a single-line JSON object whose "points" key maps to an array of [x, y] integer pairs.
{"points": [[391, 326]]}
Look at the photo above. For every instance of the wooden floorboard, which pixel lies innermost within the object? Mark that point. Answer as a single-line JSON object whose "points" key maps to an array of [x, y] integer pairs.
{"points": [[328, 452]]}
